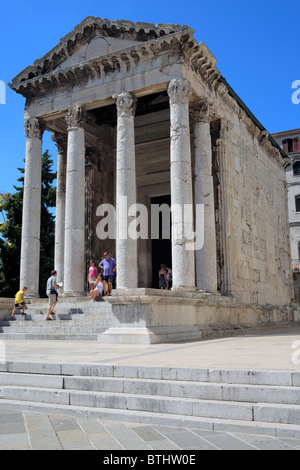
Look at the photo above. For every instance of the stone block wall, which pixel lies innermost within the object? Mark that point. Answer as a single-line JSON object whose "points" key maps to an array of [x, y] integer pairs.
{"points": [[259, 235]]}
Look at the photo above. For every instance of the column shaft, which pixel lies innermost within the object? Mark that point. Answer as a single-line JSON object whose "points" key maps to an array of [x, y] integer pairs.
{"points": [[126, 247], [206, 257], [61, 143], [30, 243], [74, 265], [224, 217], [183, 259]]}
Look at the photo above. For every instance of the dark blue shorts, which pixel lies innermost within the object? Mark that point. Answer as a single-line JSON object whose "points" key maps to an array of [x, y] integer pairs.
{"points": [[109, 278]]}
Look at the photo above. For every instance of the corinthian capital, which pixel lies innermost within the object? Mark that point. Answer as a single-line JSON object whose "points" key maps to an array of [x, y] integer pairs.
{"points": [[126, 104], [179, 90], [60, 141], [34, 128], [202, 111], [75, 116]]}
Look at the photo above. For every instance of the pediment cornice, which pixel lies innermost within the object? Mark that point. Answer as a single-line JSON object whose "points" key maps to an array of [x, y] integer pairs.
{"points": [[181, 43], [90, 28]]}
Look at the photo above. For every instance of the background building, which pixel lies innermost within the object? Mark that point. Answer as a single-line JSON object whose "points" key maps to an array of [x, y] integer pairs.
{"points": [[289, 142]]}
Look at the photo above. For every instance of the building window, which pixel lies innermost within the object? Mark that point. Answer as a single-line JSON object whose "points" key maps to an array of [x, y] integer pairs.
{"points": [[297, 202], [296, 168], [290, 145]]}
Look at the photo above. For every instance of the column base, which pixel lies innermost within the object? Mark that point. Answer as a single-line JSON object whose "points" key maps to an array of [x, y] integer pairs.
{"points": [[73, 294], [31, 296], [184, 288], [149, 335]]}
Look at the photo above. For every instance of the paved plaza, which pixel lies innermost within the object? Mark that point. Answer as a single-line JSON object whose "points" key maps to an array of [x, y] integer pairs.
{"points": [[42, 431], [20, 429]]}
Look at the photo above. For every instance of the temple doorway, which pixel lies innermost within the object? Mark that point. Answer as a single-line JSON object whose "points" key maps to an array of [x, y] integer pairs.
{"points": [[161, 247]]}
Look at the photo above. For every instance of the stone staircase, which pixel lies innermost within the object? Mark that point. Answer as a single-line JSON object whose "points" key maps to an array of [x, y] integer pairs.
{"points": [[83, 322], [257, 402]]}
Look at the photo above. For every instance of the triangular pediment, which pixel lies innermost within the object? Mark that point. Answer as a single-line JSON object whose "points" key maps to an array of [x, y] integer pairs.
{"points": [[94, 38]]}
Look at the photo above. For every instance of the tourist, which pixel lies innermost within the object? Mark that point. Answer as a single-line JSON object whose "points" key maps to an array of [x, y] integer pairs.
{"points": [[97, 291], [162, 274], [19, 300], [92, 275], [52, 294], [169, 278], [109, 266]]}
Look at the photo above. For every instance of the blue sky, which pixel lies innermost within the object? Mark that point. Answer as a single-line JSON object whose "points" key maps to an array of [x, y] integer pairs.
{"points": [[256, 43]]}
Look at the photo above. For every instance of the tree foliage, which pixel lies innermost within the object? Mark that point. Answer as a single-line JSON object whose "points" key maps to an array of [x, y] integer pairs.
{"points": [[10, 243]]}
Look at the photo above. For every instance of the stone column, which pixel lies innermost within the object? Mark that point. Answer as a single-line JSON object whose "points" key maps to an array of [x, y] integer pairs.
{"points": [[30, 243], [61, 144], [206, 257], [224, 216], [183, 260], [74, 263], [126, 247]]}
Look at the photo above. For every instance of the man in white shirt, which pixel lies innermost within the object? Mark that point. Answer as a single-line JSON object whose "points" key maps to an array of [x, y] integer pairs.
{"points": [[52, 294]]}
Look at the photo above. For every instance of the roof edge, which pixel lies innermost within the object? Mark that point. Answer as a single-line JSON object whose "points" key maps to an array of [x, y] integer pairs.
{"points": [[233, 94]]}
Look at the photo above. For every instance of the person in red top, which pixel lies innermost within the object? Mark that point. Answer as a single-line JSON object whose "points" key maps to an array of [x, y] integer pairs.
{"points": [[92, 275]]}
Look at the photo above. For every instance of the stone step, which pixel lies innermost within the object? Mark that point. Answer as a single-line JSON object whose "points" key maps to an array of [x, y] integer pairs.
{"points": [[261, 412], [171, 388], [279, 430], [68, 324], [63, 308], [46, 336], [50, 326], [191, 374], [249, 401]]}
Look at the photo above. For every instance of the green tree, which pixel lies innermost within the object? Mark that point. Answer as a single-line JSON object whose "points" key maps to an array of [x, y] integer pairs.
{"points": [[10, 243]]}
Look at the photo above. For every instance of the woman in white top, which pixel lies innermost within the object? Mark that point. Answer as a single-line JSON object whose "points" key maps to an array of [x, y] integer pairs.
{"points": [[97, 292]]}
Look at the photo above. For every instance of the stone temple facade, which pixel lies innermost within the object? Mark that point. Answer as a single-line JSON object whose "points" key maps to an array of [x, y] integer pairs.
{"points": [[141, 113]]}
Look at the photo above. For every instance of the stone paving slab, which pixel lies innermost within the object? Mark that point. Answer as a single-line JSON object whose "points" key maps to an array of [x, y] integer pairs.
{"points": [[27, 430], [268, 351]]}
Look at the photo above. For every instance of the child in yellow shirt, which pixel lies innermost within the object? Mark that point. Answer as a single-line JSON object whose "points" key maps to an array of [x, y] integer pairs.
{"points": [[19, 300]]}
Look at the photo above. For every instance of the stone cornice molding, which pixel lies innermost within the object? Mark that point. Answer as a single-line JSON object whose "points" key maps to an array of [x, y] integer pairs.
{"points": [[75, 117], [34, 129], [126, 104], [179, 90]]}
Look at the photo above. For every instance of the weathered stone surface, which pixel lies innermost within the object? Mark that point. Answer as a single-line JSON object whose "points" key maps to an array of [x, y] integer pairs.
{"points": [[74, 262], [129, 136], [30, 244]]}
